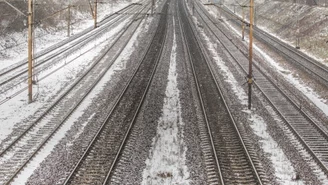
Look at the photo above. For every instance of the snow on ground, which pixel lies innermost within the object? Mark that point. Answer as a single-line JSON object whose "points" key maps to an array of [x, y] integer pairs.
{"points": [[118, 65], [73, 56], [47, 38], [167, 158], [17, 109], [284, 171]]}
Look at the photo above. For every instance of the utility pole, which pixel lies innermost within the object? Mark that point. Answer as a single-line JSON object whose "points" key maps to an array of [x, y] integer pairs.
{"points": [[250, 70], [30, 51], [69, 21], [95, 14]]}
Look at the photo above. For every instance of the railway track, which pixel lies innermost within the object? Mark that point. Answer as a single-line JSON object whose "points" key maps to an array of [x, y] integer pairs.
{"points": [[296, 57], [310, 134], [99, 159], [17, 153], [227, 155], [17, 74]]}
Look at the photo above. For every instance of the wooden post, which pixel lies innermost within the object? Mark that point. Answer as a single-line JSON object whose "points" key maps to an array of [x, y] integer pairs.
{"points": [[95, 14], [250, 70], [30, 51]]}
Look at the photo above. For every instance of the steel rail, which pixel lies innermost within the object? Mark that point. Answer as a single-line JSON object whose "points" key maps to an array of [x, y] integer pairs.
{"points": [[307, 117], [79, 101], [126, 135], [207, 59]]}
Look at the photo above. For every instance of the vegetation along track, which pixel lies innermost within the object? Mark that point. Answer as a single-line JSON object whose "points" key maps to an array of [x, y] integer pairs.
{"points": [[312, 136], [296, 57], [24, 147], [103, 152], [228, 159], [17, 74]]}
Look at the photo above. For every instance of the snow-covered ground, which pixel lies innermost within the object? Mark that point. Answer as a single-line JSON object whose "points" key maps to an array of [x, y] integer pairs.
{"points": [[166, 163], [53, 85], [45, 38], [116, 68], [17, 110], [167, 159]]}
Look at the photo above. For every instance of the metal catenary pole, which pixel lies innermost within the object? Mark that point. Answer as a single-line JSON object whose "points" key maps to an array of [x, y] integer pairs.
{"points": [[250, 70]]}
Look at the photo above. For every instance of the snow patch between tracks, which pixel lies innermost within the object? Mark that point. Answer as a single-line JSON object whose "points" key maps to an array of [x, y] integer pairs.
{"points": [[167, 158]]}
